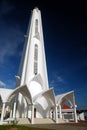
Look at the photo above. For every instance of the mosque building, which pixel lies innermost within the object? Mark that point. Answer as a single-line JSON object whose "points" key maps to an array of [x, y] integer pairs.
{"points": [[32, 98]]}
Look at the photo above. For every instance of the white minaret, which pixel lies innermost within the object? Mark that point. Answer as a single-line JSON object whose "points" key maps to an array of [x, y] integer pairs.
{"points": [[33, 98], [33, 71]]}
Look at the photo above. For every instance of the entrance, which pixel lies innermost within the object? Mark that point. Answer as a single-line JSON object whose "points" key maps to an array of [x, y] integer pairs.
{"points": [[34, 112]]}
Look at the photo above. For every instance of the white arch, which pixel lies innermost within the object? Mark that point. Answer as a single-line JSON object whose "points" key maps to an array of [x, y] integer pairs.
{"points": [[4, 93], [49, 95], [68, 96], [24, 91]]}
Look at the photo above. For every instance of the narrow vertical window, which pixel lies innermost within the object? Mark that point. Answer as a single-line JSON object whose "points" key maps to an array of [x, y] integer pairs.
{"points": [[36, 26], [35, 59]]}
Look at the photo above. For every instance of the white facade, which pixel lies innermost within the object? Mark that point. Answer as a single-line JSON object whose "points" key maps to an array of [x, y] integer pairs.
{"points": [[32, 97], [81, 116]]}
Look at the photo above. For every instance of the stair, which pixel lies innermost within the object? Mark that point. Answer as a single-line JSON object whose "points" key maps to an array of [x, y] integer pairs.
{"points": [[43, 121], [23, 121], [60, 120], [38, 121]]}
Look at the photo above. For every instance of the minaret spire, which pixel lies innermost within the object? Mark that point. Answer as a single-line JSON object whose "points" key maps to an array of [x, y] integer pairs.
{"points": [[36, 8], [33, 68]]}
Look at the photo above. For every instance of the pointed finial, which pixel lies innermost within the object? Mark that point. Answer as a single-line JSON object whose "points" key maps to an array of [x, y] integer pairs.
{"points": [[36, 8]]}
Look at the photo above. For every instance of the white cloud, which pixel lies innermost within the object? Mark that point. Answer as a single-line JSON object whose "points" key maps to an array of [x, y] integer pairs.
{"points": [[11, 84], [59, 79], [11, 35], [10, 42], [2, 84], [52, 83]]}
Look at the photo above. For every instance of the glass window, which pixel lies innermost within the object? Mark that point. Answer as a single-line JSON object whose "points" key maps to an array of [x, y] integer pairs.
{"points": [[36, 26], [35, 59]]}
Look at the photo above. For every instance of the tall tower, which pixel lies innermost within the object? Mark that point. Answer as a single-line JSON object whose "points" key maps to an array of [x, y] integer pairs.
{"points": [[33, 71], [33, 98]]}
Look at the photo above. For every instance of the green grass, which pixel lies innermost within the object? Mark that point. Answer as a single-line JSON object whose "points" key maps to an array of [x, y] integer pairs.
{"points": [[51, 127], [17, 127]]}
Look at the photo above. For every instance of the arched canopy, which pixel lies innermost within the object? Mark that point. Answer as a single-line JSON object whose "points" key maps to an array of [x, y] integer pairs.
{"points": [[60, 99], [49, 96], [4, 93], [24, 91]]}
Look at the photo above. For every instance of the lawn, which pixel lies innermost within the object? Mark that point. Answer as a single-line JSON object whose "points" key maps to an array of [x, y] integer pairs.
{"points": [[17, 127], [71, 126]]}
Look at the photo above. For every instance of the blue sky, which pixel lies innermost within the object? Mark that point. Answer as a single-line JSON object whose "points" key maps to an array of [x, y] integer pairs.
{"points": [[65, 36]]}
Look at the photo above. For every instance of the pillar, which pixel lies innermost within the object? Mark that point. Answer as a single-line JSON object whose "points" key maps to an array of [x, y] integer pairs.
{"points": [[27, 108], [11, 113], [50, 114], [32, 113], [75, 114], [56, 113], [3, 111], [14, 110], [60, 111]]}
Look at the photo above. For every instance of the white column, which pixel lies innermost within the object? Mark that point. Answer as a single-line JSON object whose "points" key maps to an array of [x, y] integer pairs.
{"points": [[14, 110], [60, 111], [3, 111], [32, 113], [11, 113], [28, 111], [25, 110], [56, 113], [75, 114], [50, 114], [27, 107]]}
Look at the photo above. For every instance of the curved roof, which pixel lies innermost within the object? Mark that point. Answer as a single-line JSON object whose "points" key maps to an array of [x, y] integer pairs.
{"points": [[24, 91], [4, 93], [48, 94], [65, 97]]}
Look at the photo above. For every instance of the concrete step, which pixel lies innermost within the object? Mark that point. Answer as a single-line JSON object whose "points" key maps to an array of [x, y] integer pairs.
{"points": [[23, 121], [60, 120], [43, 121], [38, 121]]}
